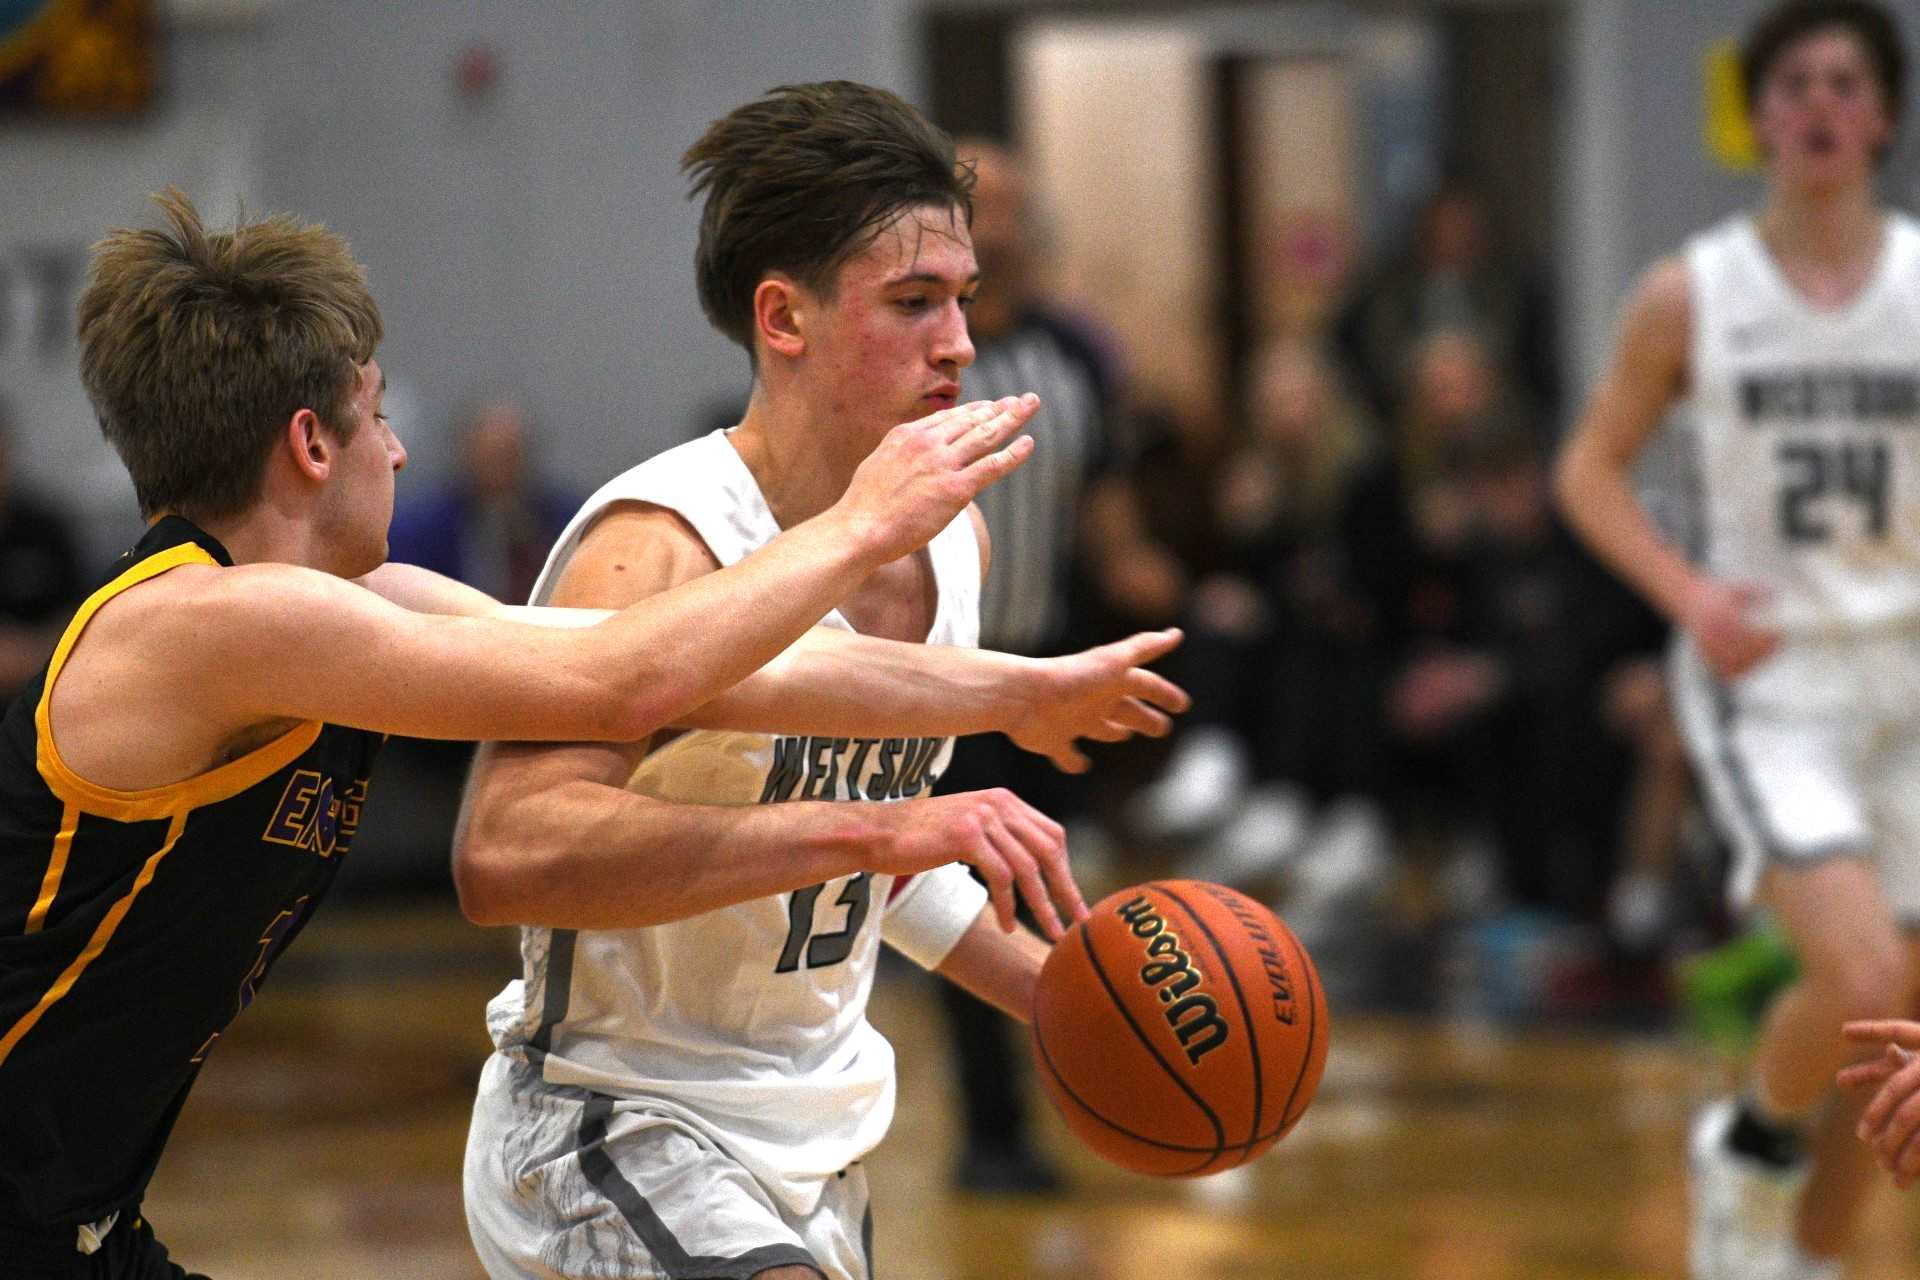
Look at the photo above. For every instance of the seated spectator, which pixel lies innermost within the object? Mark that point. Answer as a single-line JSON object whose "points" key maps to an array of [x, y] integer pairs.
{"points": [[492, 525], [1276, 655], [1520, 702], [1579, 725], [1453, 276], [40, 574]]}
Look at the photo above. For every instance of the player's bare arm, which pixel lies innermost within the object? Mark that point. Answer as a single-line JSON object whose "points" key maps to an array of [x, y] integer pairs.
{"points": [[837, 683], [550, 835], [1000, 966], [251, 649], [1594, 481]]}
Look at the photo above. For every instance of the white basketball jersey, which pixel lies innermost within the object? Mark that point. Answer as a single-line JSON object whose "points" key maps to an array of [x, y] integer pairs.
{"points": [[749, 1021], [1808, 426]]}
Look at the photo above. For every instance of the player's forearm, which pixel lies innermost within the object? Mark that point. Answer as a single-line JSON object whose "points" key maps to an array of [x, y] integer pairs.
{"points": [[588, 856], [682, 648], [836, 683], [1598, 501], [999, 967]]}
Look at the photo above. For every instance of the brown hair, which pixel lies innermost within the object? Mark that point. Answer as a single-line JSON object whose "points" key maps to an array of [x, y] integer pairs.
{"points": [[1789, 23], [801, 180], [197, 347]]}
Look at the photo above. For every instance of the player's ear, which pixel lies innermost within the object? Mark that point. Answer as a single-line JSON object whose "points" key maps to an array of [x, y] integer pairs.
{"points": [[308, 446], [779, 315]]}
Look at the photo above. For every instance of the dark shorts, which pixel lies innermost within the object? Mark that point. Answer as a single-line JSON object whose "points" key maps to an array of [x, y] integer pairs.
{"points": [[130, 1252]]}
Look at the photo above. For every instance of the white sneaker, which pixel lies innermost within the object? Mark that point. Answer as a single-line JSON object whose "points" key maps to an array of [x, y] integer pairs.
{"points": [[1268, 828], [1743, 1209], [1205, 779]]}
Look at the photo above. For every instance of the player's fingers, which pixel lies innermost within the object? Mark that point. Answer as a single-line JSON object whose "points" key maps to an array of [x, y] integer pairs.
{"points": [[1051, 855], [982, 436], [1026, 874], [1068, 759], [1889, 1031], [997, 466], [1147, 646], [949, 425], [1154, 688], [1138, 717], [1895, 1144], [993, 869], [1025, 816], [1863, 1074], [1899, 1088]]}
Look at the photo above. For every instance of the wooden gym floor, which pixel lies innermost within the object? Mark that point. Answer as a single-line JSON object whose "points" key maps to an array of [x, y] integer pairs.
{"points": [[325, 1136]]}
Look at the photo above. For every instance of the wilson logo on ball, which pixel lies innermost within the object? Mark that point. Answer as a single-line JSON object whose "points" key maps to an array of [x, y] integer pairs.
{"points": [[1194, 1017]]}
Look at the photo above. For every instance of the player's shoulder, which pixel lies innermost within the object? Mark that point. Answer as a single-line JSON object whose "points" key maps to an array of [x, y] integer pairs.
{"points": [[625, 525], [1660, 308], [231, 600], [194, 621], [630, 550], [1666, 286]]}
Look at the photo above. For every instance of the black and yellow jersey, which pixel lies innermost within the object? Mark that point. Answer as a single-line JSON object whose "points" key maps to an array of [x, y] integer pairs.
{"points": [[135, 925]]}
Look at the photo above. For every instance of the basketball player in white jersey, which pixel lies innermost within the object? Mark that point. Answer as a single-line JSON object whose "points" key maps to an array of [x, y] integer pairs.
{"points": [[1793, 337], [685, 1081]]}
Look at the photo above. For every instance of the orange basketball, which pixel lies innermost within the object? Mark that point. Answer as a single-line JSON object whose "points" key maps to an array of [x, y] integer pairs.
{"points": [[1181, 1029]]}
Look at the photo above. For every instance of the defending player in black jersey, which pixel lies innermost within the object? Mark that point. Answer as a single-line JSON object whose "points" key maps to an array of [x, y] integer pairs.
{"points": [[179, 785]]}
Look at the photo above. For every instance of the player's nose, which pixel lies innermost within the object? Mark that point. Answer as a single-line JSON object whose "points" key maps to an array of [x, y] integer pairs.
{"points": [[954, 345]]}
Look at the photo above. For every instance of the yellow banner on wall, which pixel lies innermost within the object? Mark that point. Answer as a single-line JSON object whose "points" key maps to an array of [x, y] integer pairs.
{"points": [[76, 57], [1728, 131]]}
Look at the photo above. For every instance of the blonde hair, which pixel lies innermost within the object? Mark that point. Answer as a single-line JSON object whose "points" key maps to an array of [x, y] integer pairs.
{"points": [[197, 347]]}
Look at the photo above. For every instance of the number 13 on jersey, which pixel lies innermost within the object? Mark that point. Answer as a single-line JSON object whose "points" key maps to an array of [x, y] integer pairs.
{"points": [[827, 948]]}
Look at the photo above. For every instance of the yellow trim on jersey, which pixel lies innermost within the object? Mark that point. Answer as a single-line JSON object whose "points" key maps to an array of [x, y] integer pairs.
{"points": [[102, 933], [56, 868], [229, 779]]}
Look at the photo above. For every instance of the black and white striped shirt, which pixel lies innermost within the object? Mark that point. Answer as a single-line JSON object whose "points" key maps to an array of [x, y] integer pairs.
{"points": [[1033, 515]]}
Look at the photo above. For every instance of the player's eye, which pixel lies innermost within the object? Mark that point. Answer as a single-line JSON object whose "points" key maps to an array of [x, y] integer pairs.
{"points": [[912, 302]]}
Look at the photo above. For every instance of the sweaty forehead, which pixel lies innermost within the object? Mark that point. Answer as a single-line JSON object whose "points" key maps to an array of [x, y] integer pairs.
{"points": [[928, 240]]}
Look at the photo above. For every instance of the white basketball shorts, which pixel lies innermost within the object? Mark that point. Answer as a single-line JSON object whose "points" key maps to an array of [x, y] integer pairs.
{"points": [[1813, 754], [562, 1182]]}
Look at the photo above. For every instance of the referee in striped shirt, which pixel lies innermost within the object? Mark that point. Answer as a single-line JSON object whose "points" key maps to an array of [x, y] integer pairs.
{"points": [[1034, 519]]}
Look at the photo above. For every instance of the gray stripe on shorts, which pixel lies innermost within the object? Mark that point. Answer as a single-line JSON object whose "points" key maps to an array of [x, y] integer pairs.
{"points": [[866, 1238], [1745, 798], [553, 995], [659, 1240]]}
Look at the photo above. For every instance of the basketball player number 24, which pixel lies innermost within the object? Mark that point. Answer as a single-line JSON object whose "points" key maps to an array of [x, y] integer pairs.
{"points": [[1857, 470], [827, 948]]}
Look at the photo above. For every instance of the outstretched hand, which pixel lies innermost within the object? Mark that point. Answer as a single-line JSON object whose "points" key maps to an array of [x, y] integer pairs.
{"points": [[1891, 1122], [1105, 694], [924, 473]]}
